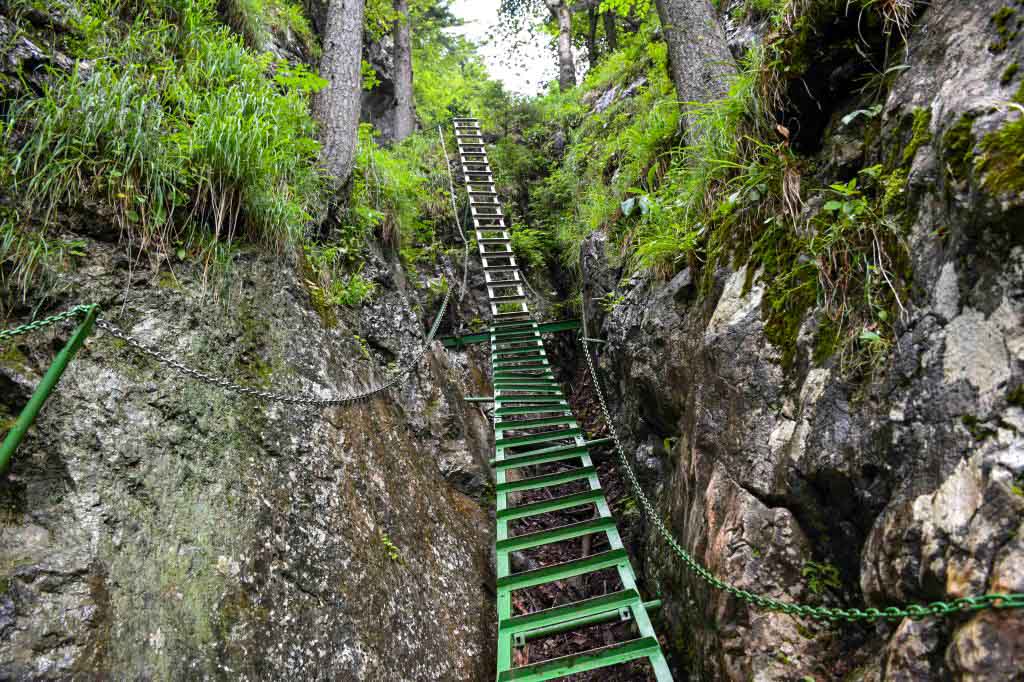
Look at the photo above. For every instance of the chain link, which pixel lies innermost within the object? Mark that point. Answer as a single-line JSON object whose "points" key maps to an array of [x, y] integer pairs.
{"points": [[45, 322], [892, 613]]}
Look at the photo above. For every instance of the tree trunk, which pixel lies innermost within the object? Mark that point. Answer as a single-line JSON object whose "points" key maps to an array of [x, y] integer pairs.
{"points": [[592, 55], [566, 62], [336, 107], [611, 31], [405, 117], [698, 52]]}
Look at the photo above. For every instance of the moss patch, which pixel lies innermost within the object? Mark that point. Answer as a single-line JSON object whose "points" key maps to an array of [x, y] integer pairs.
{"points": [[1007, 25], [958, 146], [1009, 73], [1001, 163], [1016, 396], [922, 133]]}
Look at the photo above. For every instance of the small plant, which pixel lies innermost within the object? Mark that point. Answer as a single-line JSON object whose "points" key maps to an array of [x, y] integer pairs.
{"points": [[352, 291], [1017, 488], [364, 348], [821, 577], [611, 301], [390, 548]]}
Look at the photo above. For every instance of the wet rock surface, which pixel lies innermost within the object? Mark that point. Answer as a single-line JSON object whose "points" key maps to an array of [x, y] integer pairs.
{"points": [[157, 527], [794, 481]]}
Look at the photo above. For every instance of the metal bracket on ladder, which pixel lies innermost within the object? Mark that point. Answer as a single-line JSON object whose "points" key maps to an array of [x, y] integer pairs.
{"points": [[534, 425]]}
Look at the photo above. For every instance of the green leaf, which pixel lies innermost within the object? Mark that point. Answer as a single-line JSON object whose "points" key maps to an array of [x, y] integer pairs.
{"points": [[833, 205]]}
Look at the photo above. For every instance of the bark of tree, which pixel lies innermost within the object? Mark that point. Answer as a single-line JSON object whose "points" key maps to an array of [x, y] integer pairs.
{"points": [[592, 54], [698, 52], [405, 117], [566, 62], [336, 107], [611, 31]]}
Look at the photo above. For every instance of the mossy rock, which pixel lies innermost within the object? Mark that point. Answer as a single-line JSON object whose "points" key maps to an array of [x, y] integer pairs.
{"points": [[958, 146], [1001, 163]]}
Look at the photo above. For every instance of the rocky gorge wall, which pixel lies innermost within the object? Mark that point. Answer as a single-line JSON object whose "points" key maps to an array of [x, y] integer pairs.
{"points": [[787, 477], [157, 527]]}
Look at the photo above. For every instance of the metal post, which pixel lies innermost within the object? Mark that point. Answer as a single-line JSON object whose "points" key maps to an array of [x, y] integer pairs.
{"points": [[45, 387]]}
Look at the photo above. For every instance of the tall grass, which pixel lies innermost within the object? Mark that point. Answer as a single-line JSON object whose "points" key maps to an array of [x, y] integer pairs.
{"points": [[181, 132]]}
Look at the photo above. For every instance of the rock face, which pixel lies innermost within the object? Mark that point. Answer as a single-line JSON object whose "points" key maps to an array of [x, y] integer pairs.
{"points": [[158, 527], [802, 485]]}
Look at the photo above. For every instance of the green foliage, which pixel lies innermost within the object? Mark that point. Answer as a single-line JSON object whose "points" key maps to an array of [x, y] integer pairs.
{"points": [[821, 577], [398, 193], [610, 302], [451, 80], [390, 549], [30, 258], [351, 291], [530, 245], [736, 196], [255, 20], [180, 130]]}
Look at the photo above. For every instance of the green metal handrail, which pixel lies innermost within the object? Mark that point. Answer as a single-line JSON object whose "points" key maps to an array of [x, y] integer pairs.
{"points": [[46, 386]]}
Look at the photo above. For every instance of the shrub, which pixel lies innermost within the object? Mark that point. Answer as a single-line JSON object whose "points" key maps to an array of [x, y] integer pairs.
{"points": [[180, 129]]}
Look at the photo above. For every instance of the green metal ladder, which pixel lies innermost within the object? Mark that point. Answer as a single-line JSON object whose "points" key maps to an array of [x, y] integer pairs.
{"points": [[534, 425]]}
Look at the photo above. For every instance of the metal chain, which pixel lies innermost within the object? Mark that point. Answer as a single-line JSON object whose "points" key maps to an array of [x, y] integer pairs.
{"points": [[220, 382], [290, 399], [892, 613], [43, 323]]}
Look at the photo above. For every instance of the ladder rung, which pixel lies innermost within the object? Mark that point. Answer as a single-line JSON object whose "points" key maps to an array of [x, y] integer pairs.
{"points": [[540, 376], [511, 326], [533, 423], [504, 334], [555, 504], [546, 481], [557, 454], [553, 535], [567, 612], [509, 376], [538, 438], [613, 654], [567, 569], [539, 399], [536, 409]]}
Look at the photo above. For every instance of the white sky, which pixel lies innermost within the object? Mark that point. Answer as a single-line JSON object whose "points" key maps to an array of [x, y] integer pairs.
{"points": [[527, 71]]}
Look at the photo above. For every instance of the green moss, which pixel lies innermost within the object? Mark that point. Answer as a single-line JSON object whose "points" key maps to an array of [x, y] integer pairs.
{"points": [[894, 188], [1009, 73], [1016, 396], [958, 146], [827, 341], [1001, 163], [252, 345], [922, 133], [1007, 26], [13, 358], [977, 429], [167, 280]]}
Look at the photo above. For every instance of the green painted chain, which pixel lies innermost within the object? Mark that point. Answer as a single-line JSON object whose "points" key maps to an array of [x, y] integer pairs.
{"points": [[45, 322], [912, 611]]}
